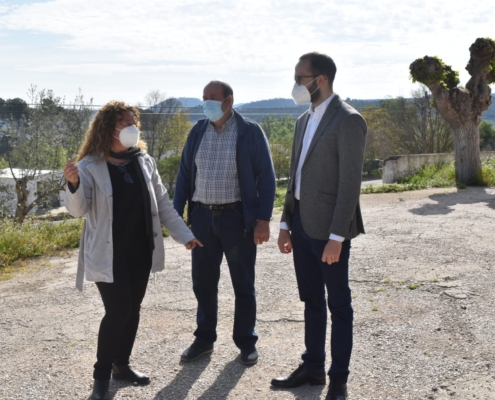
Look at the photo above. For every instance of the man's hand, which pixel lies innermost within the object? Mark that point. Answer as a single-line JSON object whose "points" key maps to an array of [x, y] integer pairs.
{"points": [[192, 244], [284, 241], [261, 232], [71, 173], [331, 253]]}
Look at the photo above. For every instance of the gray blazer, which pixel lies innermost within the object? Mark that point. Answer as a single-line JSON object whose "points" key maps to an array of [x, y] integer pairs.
{"points": [[331, 173]]}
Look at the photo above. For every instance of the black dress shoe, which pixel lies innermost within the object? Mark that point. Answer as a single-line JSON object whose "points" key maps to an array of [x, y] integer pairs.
{"points": [[299, 377], [337, 391], [195, 351], [249, 357], [100, 389], [127, 373]]}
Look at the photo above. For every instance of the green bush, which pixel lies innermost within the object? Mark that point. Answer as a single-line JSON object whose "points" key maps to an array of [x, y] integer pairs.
{"points": [[437, 176], [280, 195], [488, 172], [440, 176], [18, 242], [376, 173]]}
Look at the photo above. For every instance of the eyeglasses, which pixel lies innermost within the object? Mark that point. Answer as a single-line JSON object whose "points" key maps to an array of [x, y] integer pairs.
{"points": [[298, 78], [127, 175]]}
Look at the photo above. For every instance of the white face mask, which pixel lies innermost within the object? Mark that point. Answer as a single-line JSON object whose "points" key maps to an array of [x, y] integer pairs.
{"points": [[300, 93], [129, 136]]}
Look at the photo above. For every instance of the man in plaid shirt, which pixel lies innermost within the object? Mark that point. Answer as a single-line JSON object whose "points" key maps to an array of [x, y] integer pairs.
{"points": [[227, 179]]}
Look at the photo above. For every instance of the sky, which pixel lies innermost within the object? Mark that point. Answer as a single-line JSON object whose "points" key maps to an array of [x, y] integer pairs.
{"points": [[122, 49]]}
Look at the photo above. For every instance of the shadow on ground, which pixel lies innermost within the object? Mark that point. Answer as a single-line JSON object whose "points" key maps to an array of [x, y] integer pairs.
{"points": [[225, 382], [179, 388], [303, 392], [446, 201]]}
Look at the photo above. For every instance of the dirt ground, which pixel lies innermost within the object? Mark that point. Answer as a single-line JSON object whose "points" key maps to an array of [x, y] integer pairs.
{"points": [[423, 281]]}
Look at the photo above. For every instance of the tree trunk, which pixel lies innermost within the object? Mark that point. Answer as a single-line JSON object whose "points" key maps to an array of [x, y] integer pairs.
{"points": [[467, 153], [22, 200], [23, 207], [424, 123]]}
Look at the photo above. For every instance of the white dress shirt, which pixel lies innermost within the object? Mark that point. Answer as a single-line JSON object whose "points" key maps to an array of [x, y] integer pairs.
{"points": [[315, 116]]}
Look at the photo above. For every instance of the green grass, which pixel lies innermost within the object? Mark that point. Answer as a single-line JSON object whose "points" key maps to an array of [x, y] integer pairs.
{"points": [[430, 176], [18, 243], [436, 176], [487, 174]]}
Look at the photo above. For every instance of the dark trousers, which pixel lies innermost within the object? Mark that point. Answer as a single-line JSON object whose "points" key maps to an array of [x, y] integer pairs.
{"points": [[122, 300], [223, 233], [312, 277]]}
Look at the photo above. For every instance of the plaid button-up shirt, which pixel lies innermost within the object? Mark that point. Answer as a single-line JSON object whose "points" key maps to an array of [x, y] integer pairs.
{"points": [[216, 177]]}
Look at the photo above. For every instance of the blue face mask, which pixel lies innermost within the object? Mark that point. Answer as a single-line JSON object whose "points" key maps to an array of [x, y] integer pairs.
{"points": [[213, 109]]}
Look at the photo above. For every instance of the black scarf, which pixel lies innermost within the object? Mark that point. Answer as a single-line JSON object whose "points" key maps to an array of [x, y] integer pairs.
{"points": [[132, 154]]}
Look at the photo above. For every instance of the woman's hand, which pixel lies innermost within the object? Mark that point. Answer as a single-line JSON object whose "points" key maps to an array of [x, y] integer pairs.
{"points": [[192, 244], [71, 173]]}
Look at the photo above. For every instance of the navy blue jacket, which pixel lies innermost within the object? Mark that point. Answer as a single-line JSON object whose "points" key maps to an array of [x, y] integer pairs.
{"points": [[254, 168]]}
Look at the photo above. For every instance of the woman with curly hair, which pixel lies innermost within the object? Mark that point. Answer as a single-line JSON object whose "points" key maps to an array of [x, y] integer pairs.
{"points": [[115, 185]]}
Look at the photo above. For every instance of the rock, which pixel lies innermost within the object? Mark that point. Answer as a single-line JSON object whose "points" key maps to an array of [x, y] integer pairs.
{"points": [[456, 294]]}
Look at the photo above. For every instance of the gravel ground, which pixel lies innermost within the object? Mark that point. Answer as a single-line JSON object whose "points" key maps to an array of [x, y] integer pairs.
{"points": [[423, 281]]}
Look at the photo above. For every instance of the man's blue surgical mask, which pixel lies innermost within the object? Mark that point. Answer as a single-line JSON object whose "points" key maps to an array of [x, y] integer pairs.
{"points": [[213, 109]]}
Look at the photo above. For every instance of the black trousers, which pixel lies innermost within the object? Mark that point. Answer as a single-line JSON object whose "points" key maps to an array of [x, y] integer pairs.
{"points": [[122, 300]]}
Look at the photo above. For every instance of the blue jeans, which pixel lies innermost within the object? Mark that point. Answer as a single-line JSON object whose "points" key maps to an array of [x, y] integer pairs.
{"points": [[224, 233], [312, 276]]}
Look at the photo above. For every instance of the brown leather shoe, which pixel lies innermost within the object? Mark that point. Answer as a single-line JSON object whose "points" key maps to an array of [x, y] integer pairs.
{"points": [[127, 373], [337, 391], [299, 377]]}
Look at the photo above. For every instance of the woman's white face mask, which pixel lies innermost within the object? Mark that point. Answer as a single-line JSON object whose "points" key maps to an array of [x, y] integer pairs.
{"points": [[129, 136]]}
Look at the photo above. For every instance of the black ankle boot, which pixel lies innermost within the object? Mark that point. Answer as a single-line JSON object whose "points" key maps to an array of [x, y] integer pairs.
{"points": [[100, 389], [127, 373]]}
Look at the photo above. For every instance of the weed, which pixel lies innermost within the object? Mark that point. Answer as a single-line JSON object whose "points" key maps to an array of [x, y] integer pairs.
{"points": [[413, 286], [374, 309], [21, 242], [436, 176]]}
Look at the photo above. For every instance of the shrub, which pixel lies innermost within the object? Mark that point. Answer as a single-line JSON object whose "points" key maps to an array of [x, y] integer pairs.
{"points": [[18, 242]]}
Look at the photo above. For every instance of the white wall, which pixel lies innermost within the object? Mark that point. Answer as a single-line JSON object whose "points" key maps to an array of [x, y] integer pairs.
{"points": [[396, 168]]}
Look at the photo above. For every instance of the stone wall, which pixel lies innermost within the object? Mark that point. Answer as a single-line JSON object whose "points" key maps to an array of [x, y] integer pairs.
{"points": [[396, 168]]}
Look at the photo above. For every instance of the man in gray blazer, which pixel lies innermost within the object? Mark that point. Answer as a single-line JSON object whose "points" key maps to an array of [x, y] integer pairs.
{"points": [[321, 215]]}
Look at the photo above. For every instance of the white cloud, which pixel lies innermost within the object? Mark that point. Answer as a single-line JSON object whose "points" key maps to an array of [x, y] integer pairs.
{"points": [[250, 37], [114, 68]]}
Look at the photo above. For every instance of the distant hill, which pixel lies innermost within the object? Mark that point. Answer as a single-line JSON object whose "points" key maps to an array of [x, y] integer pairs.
{"points": [[273, 103], [257, 110], [360, 104], [190, 101]]}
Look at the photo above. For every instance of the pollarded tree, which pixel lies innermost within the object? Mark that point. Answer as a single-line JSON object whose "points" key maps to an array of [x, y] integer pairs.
{"points": [[461, 107]]}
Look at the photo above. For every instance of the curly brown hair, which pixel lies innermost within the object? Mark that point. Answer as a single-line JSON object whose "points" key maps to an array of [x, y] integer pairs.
{"points": [[99, 136]]}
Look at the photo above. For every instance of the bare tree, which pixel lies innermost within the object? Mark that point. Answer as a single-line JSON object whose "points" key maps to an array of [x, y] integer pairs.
{"points": [[152, 117], [461, 107], [378, 140], [42, 143], [173, 129], [415, 126]]}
